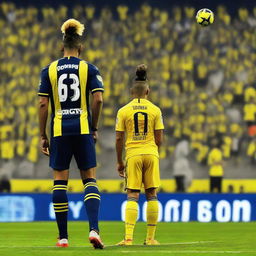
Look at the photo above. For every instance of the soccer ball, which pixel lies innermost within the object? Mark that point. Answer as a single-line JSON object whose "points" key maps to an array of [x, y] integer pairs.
{"points": [[204, 17]]}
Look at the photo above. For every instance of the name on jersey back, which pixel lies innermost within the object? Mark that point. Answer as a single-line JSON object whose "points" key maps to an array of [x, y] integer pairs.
{"points": [[139, 107], [72, 66]]}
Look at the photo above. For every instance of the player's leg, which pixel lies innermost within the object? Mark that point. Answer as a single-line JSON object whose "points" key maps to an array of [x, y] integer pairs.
{"points": [[134, 182], [152, 216], [131, 215], [214, 184], [60, 157], [219, 185], [211, 184], [60, 204], [92, 205], [151, 179], [91, 197], [84, 152]]}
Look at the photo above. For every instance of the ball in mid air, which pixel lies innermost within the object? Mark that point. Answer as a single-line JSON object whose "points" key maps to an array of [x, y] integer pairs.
{"points": [[204, 17]]}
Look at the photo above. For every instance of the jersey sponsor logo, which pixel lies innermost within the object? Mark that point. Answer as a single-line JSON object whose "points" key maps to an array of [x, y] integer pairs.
{"points": [[100, 78], [72, 66], [140, 137], [71, 111]]}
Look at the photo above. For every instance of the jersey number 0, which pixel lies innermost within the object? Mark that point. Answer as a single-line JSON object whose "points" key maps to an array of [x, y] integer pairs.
{"points": [[63, 88], [136, 123]]}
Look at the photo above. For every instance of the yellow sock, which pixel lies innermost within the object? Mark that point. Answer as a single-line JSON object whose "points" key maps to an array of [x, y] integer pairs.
{"points": [[131, 215], [152, 216]]}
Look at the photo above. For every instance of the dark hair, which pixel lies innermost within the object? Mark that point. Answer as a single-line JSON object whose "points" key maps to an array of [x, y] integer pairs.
{"points": [[140, 83], [141, 73], [71, 39]]}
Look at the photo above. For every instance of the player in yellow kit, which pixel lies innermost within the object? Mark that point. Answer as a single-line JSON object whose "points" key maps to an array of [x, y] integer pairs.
{"points": [[215, 163], [140, 122]]}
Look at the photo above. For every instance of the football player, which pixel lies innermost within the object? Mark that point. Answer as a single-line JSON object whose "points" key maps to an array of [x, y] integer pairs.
{"points": [[66, 83], [140, 122]]}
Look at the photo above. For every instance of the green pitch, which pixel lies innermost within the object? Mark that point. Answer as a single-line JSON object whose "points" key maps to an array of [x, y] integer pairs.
{"points": [[212, 239]]}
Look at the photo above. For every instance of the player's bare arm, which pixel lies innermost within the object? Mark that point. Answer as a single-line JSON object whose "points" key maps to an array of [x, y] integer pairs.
{"points": [[97, 103], [119, 153], [159, 134], [43, 114]]}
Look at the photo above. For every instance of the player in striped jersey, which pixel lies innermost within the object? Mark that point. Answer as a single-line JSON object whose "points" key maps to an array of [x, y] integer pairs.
{"points": [[66, 83]]}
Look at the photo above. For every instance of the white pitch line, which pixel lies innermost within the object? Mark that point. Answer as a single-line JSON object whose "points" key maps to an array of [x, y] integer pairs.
{"points": [[191, 252], [113, 245], [107, 246], [145, 251], [195, 242], [16, 246]]}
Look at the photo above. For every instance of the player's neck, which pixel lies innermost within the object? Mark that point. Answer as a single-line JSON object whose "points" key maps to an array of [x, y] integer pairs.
{"points": [[140, 97], [69, 53]]}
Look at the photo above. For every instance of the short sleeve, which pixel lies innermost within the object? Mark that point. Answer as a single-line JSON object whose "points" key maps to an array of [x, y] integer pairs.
{"points": [[45, 84], [159, 125], [120, 125], [95, 81]]}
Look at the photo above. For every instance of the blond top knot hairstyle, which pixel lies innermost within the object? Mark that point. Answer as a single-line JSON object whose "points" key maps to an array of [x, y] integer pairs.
{"points": [[72, 25], [72, 32]]}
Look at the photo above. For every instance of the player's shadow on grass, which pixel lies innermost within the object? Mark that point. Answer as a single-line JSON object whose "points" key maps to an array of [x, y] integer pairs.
{"points": [[180, 245]]}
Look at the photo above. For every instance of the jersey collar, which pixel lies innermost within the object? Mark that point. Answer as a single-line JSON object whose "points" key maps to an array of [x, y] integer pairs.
{"points": [[138, 100]]}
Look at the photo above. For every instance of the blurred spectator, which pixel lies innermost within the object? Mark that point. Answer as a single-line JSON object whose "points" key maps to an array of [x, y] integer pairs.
{"points": [[201, 80], [236, 133], [241, 190], [182, 172], [251, 150], [230, 189], [250, 116], [5, 184], [215, 163]]}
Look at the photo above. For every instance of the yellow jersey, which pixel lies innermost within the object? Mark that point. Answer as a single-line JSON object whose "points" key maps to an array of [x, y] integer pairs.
{"points": [[139, 119], [249, 112], [214, 161]]}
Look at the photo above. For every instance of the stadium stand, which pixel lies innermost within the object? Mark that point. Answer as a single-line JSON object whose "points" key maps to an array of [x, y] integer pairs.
{"points": [[202, 79]]}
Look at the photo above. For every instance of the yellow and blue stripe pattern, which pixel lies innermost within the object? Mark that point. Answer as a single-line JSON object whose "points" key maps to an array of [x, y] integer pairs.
{"points": [[60, 187], [91, 195], [43, 94], [57, 121], [83, 76], [60, 207], [68, 82]]}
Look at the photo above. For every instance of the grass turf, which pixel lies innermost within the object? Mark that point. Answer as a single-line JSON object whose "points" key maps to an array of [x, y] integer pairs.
{"points": [[38, 238]]}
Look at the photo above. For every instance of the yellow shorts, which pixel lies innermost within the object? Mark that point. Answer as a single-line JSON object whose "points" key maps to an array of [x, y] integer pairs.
{"points": [[142, 169]]}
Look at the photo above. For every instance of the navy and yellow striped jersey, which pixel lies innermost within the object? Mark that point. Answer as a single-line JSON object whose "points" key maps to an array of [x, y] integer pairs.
{"points": [[68, 82]]}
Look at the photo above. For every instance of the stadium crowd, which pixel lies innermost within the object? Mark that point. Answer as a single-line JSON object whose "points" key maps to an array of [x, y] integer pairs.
{"points": [[203, 79]]}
